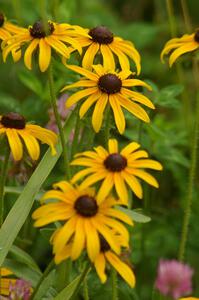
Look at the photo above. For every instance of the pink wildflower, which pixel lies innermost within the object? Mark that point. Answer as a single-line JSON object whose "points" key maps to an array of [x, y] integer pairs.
{"points": [[20, 290], [174, 278]]}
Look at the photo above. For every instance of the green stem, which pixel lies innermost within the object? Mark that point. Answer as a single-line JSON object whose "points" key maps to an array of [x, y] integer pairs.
{"points": [[107, 128], [192, 172], [58, 121], [185, 12], [85, 289], [82, 278], [76, 134], [2, 183], [45, 273], [114, 284]]}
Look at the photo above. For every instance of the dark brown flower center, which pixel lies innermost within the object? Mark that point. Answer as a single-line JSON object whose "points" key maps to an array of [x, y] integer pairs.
{"points": [[104, 245], [196, 36], [13, 120], [39, 31], [1, 19], [110, 84], [115, 162], [101, 35], [86, 206]]}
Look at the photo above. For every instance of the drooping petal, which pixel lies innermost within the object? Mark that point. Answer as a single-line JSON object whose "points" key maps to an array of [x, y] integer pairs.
{"points": [[133, 183], [120, 187], [135, 82], [15, 143], [31, 144], [28, 53], [118, 113], [137, 97], [88, 103], [183, 49], [89, 56], [118, 215], [145, 176], [123, 269], [97, 115], [81, 83], [147, 163], [79, 239], [100, 264], [79, 95], [130, 148], [44, 55], [108, 59], [82, 71], [123, 60], [92, 179], [57, 45], [63, 254], [92, 240], [105, 188], [113, 146]]}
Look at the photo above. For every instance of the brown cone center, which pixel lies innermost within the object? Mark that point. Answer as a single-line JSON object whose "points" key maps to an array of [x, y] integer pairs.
{"points": [[104, 245], [39, 31], [13, 120], [196, 36], [1, 19], [110, 84], [101, 35], [115, 162], [86, 206]]}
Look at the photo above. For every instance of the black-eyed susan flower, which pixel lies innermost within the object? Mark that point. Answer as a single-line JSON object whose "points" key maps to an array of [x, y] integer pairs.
{"points": [[56, 36], [6, 31], [101, 40], [14, 126], [179, 46], [84, 220], [115, 169], [104, 87]]}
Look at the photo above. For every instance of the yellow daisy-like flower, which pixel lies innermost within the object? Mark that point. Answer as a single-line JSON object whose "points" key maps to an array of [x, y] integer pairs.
{"points": [[115, 169], [84, 220], [5, 282], [6, 31], [16, 130], [103, 87], [101, 40], [179, 46], [56, 36]]}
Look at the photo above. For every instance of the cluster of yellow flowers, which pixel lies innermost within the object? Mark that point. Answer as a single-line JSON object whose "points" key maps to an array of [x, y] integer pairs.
{"points": [[91, 218]]}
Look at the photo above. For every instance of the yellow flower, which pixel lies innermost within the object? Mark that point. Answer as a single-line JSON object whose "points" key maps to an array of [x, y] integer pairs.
{"points": [[111, 87], [101, 40], [5, 282], [179, 46], [115, 168], [15, 128], [6, 31], [55, 36], [84, 220]]}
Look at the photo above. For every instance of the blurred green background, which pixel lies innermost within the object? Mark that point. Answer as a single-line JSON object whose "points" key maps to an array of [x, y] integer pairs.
{"points": [[168, 137]]}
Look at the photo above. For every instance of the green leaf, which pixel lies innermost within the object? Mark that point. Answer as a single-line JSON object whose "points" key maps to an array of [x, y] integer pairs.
{"points": [[20, 210], [70, 290], [45, 286], [135, 216], [31, 81], [47, 232], [23, 257], [22, 271]]}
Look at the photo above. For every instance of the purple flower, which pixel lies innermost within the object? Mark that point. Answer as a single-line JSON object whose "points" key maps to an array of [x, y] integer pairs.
{"points": [[174, 278], [19, 290]]}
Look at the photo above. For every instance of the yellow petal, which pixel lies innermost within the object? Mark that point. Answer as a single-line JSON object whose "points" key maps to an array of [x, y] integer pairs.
{"points": [[183, 49], [130, 148], [124, 270], [108, 59], [63, 254], [135, 109], [81, 83], [57, 45], [89, 56], [79, 95], [97, 115], [79, 239], [147, 163], [15, 143], [117, 227], [44, 55], [118, 114], [120, 187], [28, 53], [63, 185], [145, 176], [31, 144], [137, 97], [90, 180], [92, 240], [136, 82], [84, 72], [118, 215], [88, 103], [100, 265], [123, 60], [133, 183], [105, 188], [113, 146]]}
